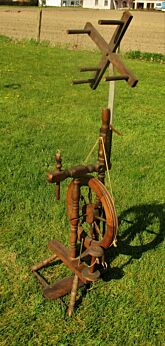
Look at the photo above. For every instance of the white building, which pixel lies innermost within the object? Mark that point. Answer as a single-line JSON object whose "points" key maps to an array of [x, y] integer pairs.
{"points": [[102, 4], [144, 4], [107, 4], [111, 4], [59, 3]]}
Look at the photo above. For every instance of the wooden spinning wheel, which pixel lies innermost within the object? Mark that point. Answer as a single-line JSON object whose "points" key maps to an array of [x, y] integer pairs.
{"points": [[90, 207]]}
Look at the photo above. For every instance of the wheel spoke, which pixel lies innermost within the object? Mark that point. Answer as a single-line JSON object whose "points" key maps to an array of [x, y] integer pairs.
{"points": [[151, 232], [100, 218], [90, 195], [97, 228], [78, 217]]}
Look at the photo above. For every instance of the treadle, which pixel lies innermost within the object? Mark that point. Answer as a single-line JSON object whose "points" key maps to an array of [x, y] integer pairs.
{"points": [[60, 288], [63, 253], [89, 276]]}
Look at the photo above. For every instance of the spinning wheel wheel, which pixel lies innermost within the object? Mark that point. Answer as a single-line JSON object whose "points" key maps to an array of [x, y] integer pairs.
{"points": [[97, 217]]}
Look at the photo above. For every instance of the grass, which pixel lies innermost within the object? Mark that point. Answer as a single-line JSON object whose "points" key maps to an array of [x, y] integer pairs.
{"points": [[42, 112], [145, 56]]}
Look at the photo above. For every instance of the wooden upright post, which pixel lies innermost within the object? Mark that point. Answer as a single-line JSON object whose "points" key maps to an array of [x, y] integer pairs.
{"points": [[39, 23], [105, 133], [74, 218]]}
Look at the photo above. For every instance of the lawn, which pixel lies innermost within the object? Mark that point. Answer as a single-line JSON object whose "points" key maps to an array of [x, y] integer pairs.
{"points": [[42, 112]]}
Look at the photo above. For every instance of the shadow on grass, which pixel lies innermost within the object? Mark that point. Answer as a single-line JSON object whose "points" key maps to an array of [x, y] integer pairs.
{"points": [[12, 86], [141, 228]]}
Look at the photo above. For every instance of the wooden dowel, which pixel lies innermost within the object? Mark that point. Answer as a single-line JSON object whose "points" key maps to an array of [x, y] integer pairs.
{"points": [[40, 279], [110, 22], [73, 296], [39, 25], [43, 263], [122, 69], [119, 133], [82, 81], [86, 69], [77, 31], [58, 169], [113, 78]]}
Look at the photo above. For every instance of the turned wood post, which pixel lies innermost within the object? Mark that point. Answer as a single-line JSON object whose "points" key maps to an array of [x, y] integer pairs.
{"points": [[39, 23], [58, 169], [106, 134], [74, 217]]}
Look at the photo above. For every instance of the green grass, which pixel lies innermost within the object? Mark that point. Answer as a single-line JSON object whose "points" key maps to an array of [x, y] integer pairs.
{"points": [[41, 112], [145, 56]]}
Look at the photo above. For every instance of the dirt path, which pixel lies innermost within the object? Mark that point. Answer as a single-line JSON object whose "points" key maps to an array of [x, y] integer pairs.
{"points": [[146, 32]]}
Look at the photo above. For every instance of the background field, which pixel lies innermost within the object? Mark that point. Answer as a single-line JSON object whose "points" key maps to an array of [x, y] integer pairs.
{"points": [[146, 32]]}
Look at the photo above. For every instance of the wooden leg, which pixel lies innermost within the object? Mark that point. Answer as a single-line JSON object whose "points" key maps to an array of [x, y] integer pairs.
{"points": [[43, 263]]}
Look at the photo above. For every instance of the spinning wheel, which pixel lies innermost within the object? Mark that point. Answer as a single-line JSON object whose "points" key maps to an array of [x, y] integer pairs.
{"points": [[91, 210], [97, 218]]}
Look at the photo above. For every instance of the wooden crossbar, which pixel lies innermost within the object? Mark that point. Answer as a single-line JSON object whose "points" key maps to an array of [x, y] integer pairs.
{"points": [[108, 51]]}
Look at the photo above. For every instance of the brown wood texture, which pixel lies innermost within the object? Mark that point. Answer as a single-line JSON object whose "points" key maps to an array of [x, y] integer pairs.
{"points": [[107, 50], [114, 78], [40, 279], [39, 25], [73, 296], [74, 217], [107, 203], [60, 288], [120, 67], [86, 69], [110, 22], [83, 81], [111, 48], [58, 169], [74, 172], [44, 263], [105, 133], [78, 31], [63, 254]]}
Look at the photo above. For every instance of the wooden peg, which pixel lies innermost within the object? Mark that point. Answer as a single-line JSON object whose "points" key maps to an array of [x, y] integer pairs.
{"points": [[110, 22], [88, 69], [83, 81], [58, 169], [113, 78], [77, 31]]}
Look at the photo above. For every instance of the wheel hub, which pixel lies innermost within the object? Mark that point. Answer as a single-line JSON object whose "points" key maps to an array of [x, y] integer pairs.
{"points": [[91, 213]]}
